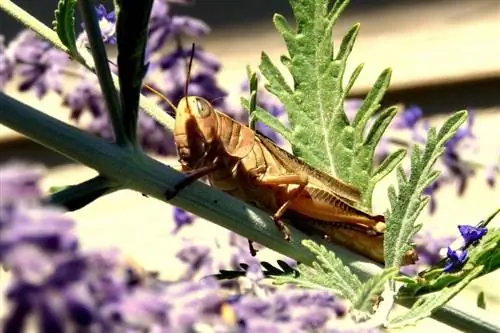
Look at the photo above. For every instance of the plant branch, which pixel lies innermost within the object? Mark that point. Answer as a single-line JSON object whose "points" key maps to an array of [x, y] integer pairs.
{"points": [[77, 196], [133, 170], [474, 320], [103, 73]]}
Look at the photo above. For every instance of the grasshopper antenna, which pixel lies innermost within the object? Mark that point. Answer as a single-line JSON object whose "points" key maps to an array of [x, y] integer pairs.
{"points": [[188, 75], [154, 91], [159, 94]]}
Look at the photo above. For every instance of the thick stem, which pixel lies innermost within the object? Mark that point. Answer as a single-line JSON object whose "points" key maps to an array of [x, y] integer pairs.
{"points": [[130, 169]]}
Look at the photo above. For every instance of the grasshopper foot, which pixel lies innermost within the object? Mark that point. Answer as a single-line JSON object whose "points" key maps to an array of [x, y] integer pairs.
{"points": [[171, 193], [283, 228], [252, 249]]}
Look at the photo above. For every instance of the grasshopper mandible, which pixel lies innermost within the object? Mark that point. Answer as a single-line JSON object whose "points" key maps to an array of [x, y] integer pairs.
{"points": [[241, 162]]}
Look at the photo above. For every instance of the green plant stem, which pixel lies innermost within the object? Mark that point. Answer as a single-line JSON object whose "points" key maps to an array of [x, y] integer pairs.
{"points": [[133, 170], [77, 196], [47, 33], [103, 73], [30, 21], [474, 320]]}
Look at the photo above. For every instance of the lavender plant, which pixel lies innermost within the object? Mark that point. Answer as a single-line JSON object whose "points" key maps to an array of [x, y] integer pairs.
{"points": [[346, 147]]}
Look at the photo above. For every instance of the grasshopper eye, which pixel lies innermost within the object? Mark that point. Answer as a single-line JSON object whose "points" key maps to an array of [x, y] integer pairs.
{"points": [[203, 107]]}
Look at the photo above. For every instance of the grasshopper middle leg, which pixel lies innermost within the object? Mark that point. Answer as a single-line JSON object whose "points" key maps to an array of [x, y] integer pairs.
{"points": [[288, 179]]}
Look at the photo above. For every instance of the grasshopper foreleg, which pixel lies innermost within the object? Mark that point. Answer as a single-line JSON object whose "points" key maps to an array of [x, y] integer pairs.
{"points": [[191, 177], [290, 179]]}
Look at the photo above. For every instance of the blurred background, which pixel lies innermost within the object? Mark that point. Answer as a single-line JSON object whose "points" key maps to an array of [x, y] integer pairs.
{"points": [[445, 57]]}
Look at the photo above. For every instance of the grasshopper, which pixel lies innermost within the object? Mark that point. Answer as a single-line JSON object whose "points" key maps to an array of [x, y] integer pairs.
{"points": [[246, 164]]}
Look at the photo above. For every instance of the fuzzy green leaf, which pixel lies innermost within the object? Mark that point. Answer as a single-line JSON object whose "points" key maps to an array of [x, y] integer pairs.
{"points": [[408, 203], [319, 130], [328, 272], [371, 289], [264, 116], [352, 79], [131, 34], [64, 24], [388, 164]]}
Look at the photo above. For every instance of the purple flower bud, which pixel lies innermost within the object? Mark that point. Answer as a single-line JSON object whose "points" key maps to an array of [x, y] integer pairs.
{"points": [[471, 234]]}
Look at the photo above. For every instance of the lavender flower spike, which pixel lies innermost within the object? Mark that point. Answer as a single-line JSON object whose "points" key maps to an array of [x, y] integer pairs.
{"points": [[6, 64], [38, 63]]}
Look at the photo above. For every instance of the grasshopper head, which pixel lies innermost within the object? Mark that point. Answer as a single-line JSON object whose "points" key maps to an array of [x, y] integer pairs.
{"points": [[195, 130]]}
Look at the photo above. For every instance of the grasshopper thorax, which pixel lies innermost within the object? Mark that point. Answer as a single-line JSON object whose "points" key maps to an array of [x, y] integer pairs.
{"points": [[195, 131]]}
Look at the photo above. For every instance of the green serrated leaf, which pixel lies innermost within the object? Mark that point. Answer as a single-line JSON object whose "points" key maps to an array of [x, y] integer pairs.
{"points": [[64, 24], [319, 130], [328, 272], [131, 34], [259, 114], [352, 79], [408, 203], [372, 101], [390, 162], [277, 83], [372, 288]]}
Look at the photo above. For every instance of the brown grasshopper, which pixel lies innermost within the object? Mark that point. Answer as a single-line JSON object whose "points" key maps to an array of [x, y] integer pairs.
{"points": [[241, 162]]}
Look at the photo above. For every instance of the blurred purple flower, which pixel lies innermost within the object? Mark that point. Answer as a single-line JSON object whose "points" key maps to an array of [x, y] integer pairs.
{"points": [[19, 182], [6, 64], [38, 63], [407, 119], [428, 247], [163, 26], [107, 25], [181, 219], [291, 310]]}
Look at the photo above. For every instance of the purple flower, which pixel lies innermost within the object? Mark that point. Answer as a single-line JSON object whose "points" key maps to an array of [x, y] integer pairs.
{"points": [[107, 25], [471, 234], [428, 247], [290, 309], [164, 27], [38, 63], [407, 119], [181, 219], [19, 181], [6, 64], [456, 259]]}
